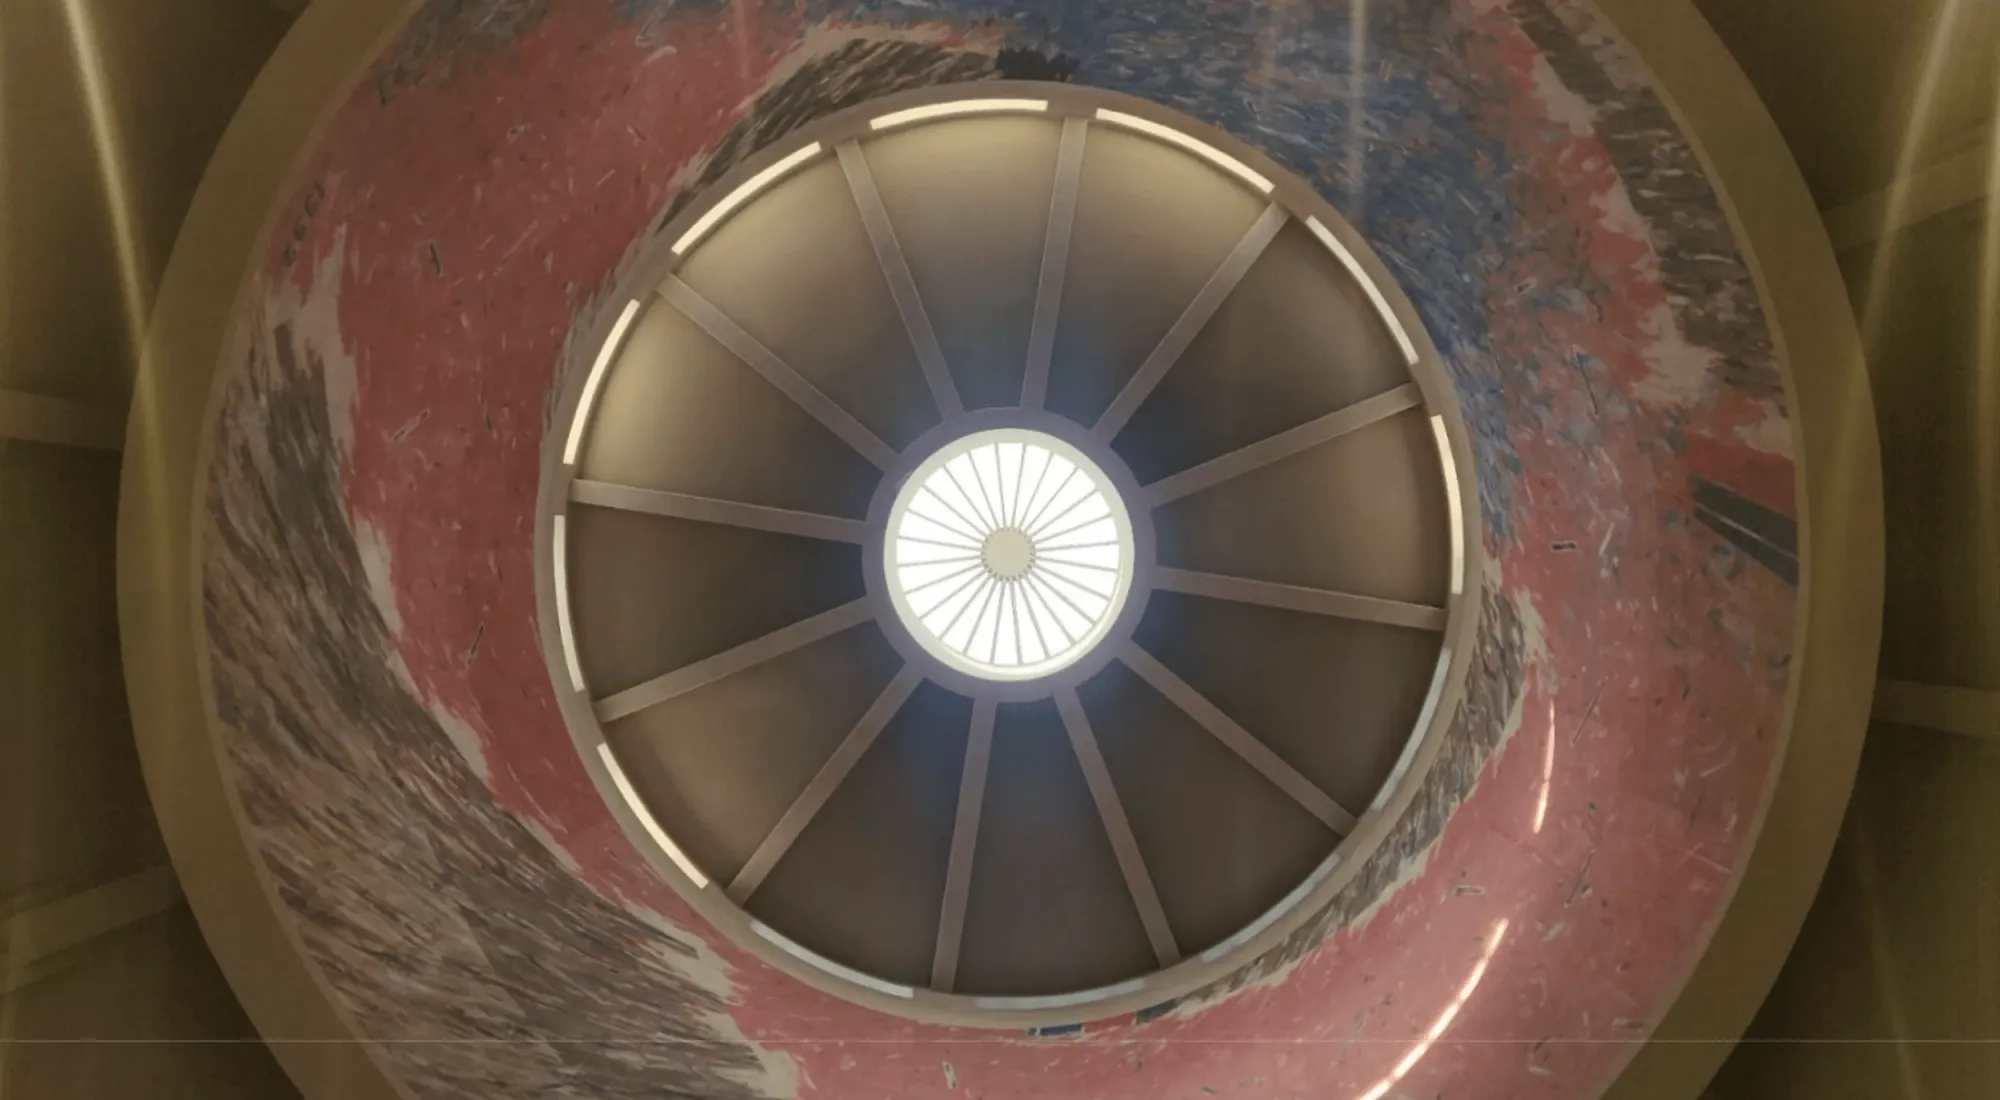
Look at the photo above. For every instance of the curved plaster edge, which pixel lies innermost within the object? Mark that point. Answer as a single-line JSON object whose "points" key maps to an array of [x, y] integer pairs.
{"points": [[1839, 631], [313, 69]]}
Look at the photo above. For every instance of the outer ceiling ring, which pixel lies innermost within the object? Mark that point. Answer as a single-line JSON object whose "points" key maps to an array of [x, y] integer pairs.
{"points": [[655, 273]]}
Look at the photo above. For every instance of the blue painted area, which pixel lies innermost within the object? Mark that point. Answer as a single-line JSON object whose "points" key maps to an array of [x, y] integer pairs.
{"points": [[1404, 159], [1055, 1031]]}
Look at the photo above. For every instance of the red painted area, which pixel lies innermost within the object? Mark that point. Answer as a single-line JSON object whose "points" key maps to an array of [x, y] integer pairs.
{"points": [[564, 146], [1768, 479]]}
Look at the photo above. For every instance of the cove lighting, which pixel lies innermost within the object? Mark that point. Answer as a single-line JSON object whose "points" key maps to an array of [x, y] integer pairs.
{"points": [[559, 551], [741, 195], [952, 110], [646, 818], [605, 355], [1189, 142], [1381, 304]]}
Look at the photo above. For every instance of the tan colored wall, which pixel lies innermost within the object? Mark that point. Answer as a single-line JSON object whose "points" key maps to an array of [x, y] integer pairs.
{"points": [[167, 1026], [1937, 399], [172, 76], [74, 813], [1895, 980], [1903, 946], [1842, 77], [73, 807]]}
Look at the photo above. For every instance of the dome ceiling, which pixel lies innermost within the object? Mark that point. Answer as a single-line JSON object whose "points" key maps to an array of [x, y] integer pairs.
{"points": [[445, 274], [954, 725]]}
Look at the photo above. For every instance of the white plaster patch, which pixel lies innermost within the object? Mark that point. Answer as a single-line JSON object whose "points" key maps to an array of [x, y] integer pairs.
{"points": [[1616, 213], [314, 317], [456, 729], [463, 737], [1563, 105], [375, 565], [1771, 434], [777, 1073], [1680, 371]]}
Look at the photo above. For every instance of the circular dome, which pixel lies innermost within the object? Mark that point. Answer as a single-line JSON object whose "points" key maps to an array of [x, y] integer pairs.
{"points": [[903, 594], [377, 637], [1010, 554]]}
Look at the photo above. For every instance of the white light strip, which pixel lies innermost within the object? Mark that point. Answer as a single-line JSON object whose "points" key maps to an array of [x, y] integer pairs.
{"points": [[1454, 503], [742, 195], [1443, 1022], [646, 818], [1060, 1000], [1285, 905], [1548, 769], [1192, 144], [1424, 717], [559, 551], [1381, 304], [815, 959], [605, 355], [961, 107]]}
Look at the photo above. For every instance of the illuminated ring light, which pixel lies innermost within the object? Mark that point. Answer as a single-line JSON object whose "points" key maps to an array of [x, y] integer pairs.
{"points": [[1009, 554]]}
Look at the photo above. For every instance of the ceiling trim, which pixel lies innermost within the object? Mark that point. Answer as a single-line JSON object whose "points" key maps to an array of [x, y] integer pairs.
{"points": [[39, 943], [1841, 544], [1961, 180], [36, 419], [1966, 711]]}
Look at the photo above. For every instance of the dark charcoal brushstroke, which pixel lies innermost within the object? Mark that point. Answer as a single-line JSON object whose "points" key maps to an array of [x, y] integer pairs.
{"points": [[1014, 63], [1769, 524], [1785, 564], [1713, 295], [435, 884]]}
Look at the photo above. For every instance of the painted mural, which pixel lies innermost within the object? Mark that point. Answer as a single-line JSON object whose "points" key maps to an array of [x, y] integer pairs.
{"points": [[368, 580]]}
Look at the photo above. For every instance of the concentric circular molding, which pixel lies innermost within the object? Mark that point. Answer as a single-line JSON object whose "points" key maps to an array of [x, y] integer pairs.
{"points": [[1009, 554], [986, 581]]}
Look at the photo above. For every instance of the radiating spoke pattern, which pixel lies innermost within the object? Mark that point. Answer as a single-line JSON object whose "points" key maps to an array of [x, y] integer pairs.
{"points": [[1239, 741], [824, 783], [1284, 445], [1004, 567], [964, 842], [1124, 845], [1010, 555], [729, 662], [1055, 263], [776, 371], [1191, 321], [902, 284], [1291, 597], [728, 513]]}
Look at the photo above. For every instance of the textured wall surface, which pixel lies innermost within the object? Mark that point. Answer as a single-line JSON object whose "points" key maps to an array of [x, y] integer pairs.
{"points": [[368, 565]]}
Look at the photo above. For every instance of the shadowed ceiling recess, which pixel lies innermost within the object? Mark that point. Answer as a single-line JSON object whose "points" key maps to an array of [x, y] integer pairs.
{"points": [[939, 552]]}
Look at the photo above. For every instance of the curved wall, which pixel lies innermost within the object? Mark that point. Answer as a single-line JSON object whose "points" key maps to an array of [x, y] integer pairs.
{"points": [[394, 752]]}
